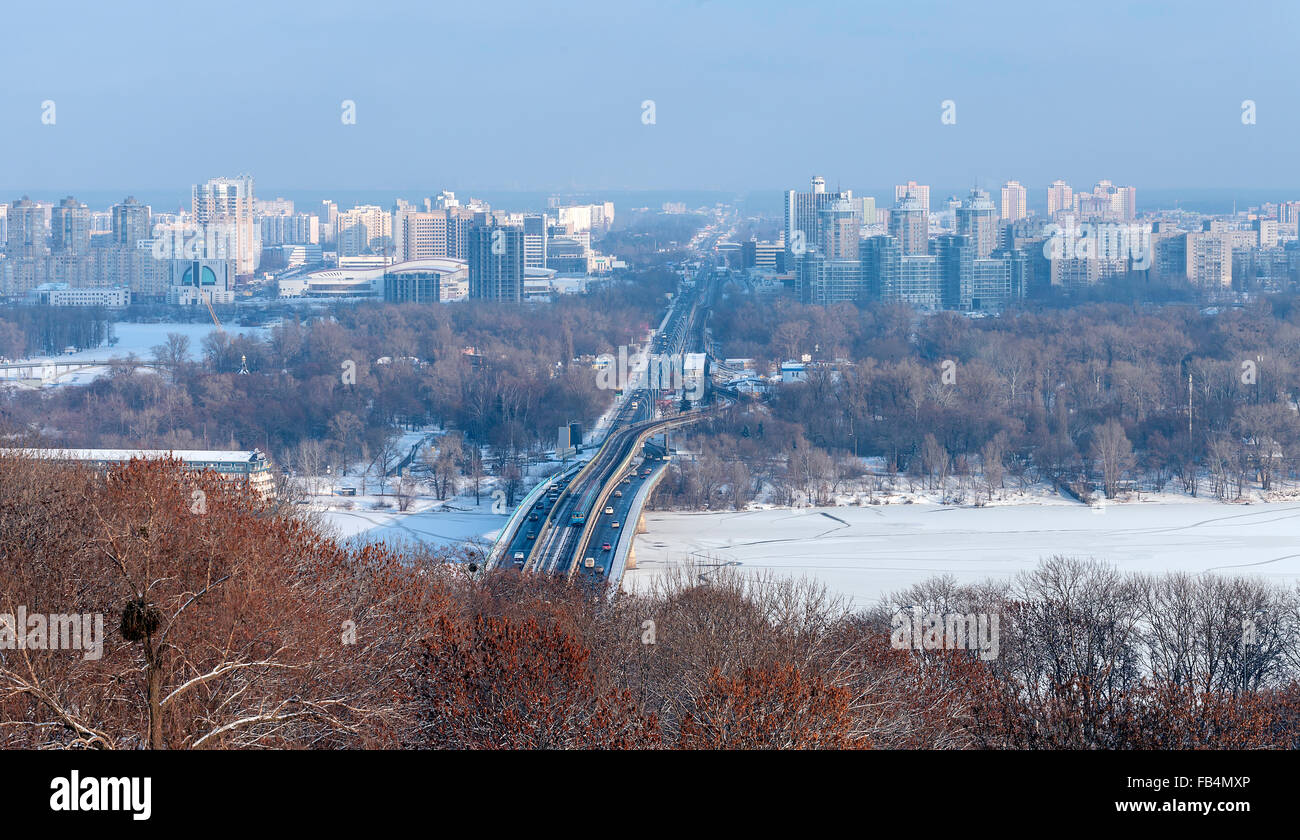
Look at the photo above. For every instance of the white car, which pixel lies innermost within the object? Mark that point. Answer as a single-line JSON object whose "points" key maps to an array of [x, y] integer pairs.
{"points": [[609, 511]]}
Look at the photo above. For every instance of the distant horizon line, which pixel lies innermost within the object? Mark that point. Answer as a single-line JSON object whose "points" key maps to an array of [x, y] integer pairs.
{"points": [[1149, 198]]}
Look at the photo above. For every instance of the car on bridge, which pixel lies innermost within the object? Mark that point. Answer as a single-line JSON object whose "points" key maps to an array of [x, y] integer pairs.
{"points": [[609, 511], [606, 547], [519, 558], [614, 524]]}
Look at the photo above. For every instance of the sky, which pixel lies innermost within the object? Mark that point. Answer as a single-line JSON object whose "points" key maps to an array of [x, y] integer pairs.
{"points": [[748, 96]]}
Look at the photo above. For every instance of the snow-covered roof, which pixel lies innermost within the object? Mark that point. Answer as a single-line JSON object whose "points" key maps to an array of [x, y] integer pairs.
{"points": [[186, 455]]}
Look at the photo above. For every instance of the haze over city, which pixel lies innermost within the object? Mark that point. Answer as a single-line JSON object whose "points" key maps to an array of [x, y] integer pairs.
{"points": [[748, 96]]}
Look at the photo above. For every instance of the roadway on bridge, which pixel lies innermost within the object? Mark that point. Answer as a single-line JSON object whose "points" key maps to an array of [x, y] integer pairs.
{"points": [[568, 525]]}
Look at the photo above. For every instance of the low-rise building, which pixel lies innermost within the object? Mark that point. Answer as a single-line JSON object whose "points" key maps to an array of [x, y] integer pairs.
{"points": [[61, 294], [233, 464]]}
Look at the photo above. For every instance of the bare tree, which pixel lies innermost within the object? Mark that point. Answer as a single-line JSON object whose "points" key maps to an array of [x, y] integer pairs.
{"points": [[1114, 455]]}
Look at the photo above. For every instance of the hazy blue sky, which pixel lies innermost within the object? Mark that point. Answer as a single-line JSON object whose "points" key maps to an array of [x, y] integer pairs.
{"points": [[547, 96]]}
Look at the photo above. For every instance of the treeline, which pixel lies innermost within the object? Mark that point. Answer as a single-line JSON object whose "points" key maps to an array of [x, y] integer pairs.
{"points": [[1097, 397], [44, 330], [502, 375], [238, 626]]}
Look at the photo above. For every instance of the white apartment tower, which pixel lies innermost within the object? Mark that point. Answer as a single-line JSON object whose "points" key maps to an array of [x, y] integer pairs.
{"points": [[228, 203], [1060, 198], [1015, 201]]}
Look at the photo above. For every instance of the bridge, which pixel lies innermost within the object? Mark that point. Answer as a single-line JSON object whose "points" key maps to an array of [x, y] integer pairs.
{"points": [[35, 374], [582, 522]]}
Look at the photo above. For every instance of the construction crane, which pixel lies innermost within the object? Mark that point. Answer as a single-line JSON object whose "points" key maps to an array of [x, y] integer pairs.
{"points": [[207, 300]]}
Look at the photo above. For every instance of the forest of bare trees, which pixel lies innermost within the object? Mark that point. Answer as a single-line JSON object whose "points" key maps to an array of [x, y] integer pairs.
{"points": [[1101, 398], [502, 376], [237, 625]]}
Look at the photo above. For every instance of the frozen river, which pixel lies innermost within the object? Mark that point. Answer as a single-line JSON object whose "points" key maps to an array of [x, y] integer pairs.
{"points": [[866, 552]]}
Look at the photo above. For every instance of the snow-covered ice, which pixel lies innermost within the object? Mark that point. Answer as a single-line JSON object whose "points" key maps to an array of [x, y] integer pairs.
{"points": [[866, 552], [139, 340]]}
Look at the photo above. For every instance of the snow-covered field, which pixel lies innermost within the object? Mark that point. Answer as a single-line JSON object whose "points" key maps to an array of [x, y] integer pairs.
{"points": [[866, 552], [372, 515], [426, 522]]}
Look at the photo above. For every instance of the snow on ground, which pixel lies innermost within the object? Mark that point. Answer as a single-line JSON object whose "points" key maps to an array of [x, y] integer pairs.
{"points": [[433, 523], [863, 553], [142, 338], [373, 516], [139, 340]]}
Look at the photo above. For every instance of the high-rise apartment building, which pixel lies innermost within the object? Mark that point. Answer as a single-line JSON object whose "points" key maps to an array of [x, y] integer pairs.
{"points": [[1015, 201], [1209, 259], [1266, 231], [227, 204], [977, 220], [293, 229], [1124, 203], [26, 233], [909, 221], [536, 234], [1060, 198], [920, 191], [496, 262], [70, 228], [833, 272], [594, 218], [802, 215], [866, 209], [423, 234], [1107, 201], [839, 226], [365, 229], [132, 222], [329, 222]]}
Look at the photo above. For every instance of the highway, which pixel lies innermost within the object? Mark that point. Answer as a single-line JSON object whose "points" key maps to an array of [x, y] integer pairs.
{"points": [[568, 524], [619, 514]]}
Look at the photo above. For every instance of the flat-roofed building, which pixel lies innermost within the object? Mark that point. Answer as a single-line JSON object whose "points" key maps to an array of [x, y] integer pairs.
{"points": [[233, 464], [1209, 259], [61, 294]]}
